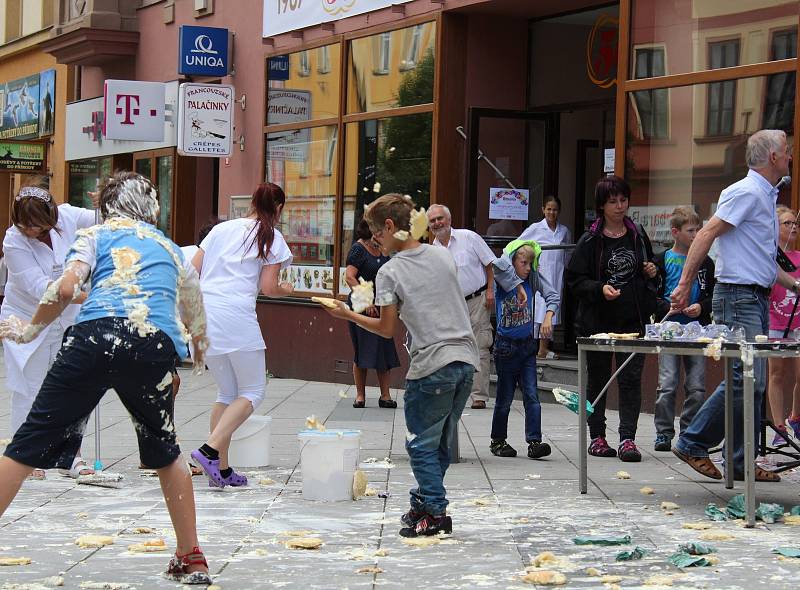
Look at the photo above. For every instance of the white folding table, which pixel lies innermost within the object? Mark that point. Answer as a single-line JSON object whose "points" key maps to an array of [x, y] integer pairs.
{"points": [[729, 351]]}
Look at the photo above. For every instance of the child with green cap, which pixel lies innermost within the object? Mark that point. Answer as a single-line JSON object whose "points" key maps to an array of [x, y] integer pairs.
{"points": [[517, 279]]}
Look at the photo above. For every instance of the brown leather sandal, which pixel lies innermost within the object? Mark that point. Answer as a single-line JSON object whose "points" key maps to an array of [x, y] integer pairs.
{"points": [[761, 475], [702, 465], [178, 568]]}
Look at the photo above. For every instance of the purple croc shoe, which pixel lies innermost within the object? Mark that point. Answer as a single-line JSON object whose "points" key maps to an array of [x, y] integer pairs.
{"points": [[211, 468], [235, 480]]}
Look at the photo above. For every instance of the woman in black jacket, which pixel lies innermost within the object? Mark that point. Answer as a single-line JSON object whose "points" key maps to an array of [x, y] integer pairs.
{"points": [[612, 275]]}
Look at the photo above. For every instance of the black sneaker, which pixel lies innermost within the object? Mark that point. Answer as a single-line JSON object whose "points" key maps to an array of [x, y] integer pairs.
{"points": [[411, 517], [663, 443], [538, 449], [501, 448], [428, 526], [628, 452]]}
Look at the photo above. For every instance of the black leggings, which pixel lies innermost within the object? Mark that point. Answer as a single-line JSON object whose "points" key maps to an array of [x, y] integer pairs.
{"points": [[630, 392]]}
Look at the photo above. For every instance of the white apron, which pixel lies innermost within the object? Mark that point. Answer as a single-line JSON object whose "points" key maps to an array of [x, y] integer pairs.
{"points": [[31, 267], [551, 262]]}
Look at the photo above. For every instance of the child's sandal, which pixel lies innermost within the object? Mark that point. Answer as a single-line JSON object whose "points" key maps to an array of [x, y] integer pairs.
{"points": [[178, 567]]}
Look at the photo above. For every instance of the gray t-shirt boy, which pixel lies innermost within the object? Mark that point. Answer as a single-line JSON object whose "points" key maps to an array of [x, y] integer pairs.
{"points": [[423, 283]]}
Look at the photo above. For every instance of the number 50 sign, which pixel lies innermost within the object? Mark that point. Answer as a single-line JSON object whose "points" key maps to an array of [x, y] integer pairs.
{"points": [[282, 16]]}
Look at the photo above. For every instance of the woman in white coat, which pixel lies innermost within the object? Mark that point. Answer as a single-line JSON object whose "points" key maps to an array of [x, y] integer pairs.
{"points": [[35, 248], [551, 262]]}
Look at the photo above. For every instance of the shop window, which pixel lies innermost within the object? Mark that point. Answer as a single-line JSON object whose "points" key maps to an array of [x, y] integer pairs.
{"points": [[292, 97], [158, 166], [721, 95], [85, 176], [779, 102], [302, 162], [323, 59], [384, 155], [382, 79], [685, 171], [164, 185], [377, 153], [413, 38], [652, 106], [686, 29]]}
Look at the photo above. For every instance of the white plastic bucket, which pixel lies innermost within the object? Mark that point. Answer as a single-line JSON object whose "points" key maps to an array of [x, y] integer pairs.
{"points": [[250, 443], [328, 461]]}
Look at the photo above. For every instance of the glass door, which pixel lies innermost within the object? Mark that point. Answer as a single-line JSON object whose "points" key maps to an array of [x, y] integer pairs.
{"points": [[512, 165], [159, 167]]}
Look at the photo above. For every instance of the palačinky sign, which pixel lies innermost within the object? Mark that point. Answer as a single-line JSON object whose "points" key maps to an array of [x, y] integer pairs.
{"points": [[205, 121]]}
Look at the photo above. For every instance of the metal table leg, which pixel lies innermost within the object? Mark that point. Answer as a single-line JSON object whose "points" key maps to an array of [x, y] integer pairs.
{"points": [[749, 437], [455, 449], [582, 422], [728, 449]]}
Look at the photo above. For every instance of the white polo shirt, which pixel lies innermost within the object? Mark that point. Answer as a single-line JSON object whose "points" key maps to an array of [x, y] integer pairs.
{"points": [[747, 252], [472, 255]]}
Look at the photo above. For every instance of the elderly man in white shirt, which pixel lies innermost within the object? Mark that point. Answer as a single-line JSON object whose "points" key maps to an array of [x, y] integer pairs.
{"points": [[476, 279]]}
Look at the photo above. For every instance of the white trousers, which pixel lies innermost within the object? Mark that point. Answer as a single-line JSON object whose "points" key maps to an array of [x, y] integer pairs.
{"points": [[482, 329], [242, 373]]}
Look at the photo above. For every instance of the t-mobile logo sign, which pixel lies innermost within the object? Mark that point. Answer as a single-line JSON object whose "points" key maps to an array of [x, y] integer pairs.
{"points": [[127, 105], [134, 110]]}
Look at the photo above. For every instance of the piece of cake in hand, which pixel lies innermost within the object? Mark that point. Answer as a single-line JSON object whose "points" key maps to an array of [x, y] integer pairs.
{"points": [[363, 296]]}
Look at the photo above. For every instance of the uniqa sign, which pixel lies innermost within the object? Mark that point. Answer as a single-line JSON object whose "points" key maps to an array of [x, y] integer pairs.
{"points": [[203, 51]]}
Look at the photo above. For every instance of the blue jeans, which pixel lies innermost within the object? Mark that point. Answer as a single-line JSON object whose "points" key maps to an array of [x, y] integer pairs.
{"points": [[669, 375], [433, 406], [734, 306], [516, 365]]}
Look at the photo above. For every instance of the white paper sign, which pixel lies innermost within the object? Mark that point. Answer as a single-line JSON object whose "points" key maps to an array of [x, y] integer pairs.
{"points": [[609, 156], [508, 203], [655, 221], [205, 120], [281, 16], [134, 110], [288, 106]]}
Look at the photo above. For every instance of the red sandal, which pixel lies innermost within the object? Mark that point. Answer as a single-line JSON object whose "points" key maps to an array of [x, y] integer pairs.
{"points": [[177, 570]]}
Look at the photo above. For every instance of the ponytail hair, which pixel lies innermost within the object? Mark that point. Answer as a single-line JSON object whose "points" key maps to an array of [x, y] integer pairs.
{"points": [[264, 205]]}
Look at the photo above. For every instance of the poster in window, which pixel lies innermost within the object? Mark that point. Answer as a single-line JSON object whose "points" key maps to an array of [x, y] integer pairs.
{"points": [[47, 103], [240, 206], [21, 157], [509, 203]]}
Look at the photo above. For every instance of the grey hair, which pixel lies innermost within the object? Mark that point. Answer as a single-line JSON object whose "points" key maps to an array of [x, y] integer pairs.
{"points": [[761, 144], [444, 208], [131, 195]]}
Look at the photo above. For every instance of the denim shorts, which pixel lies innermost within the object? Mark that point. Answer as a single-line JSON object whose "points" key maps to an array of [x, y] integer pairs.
{"points": [[96, 356]]}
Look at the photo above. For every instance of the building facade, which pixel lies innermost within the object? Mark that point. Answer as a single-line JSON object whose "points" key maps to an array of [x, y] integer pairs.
{"points": [[34, 90], [343, 100]]}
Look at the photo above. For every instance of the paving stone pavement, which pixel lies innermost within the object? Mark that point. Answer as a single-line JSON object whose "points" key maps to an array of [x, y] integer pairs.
{"points": [[505, 511]]}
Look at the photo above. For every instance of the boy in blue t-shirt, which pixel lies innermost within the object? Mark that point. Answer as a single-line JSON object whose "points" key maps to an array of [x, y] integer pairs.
{"points": [[140, 312], [684, 226], [516, 281]]}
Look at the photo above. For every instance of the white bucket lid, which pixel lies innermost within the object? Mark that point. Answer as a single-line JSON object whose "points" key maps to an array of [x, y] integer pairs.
{"points": [[328, 434]]}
